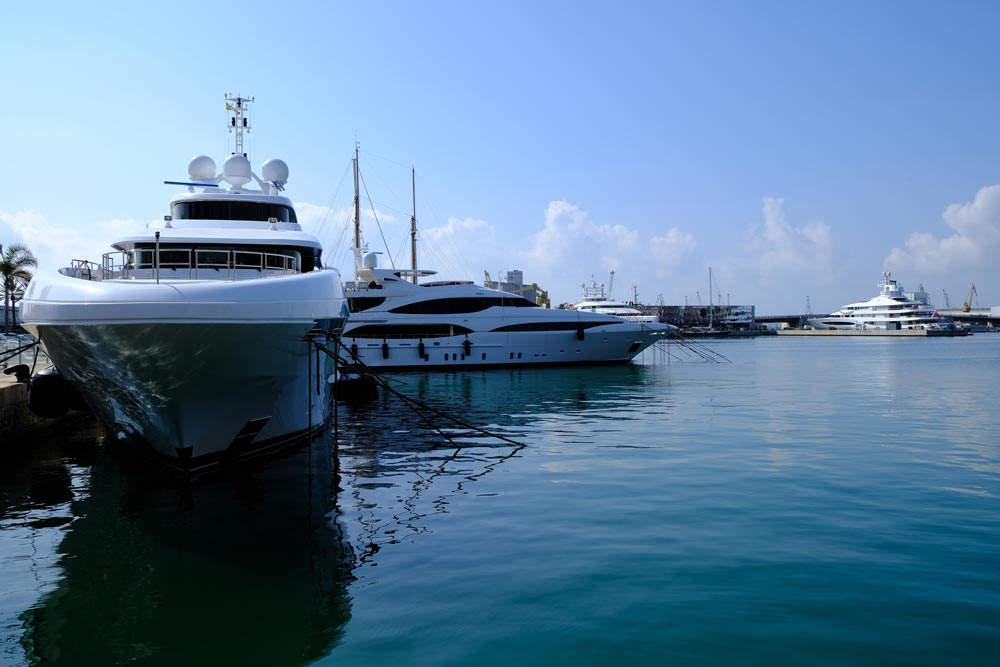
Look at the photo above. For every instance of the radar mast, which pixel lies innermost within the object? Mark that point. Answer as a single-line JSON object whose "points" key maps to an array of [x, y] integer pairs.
{"points": [[239, 119]]}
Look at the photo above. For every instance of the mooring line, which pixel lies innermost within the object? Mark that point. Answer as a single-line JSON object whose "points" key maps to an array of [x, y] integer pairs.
{"points": [[699, 349], [23, 348], [413, 404]]}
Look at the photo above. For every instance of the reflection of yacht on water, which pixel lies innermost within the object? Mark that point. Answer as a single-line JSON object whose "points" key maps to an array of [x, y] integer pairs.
{"points": [[891, 309], [397, 472], [595, 301], [250, 570], [398, 323], [192, 339]]}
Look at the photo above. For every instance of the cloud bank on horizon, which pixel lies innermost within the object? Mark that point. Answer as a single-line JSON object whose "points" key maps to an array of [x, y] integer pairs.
{"points": [[771, 265], [973, 245]]}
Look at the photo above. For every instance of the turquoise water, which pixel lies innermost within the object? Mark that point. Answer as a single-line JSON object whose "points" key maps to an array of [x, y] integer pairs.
{"points": [[810, 502]]}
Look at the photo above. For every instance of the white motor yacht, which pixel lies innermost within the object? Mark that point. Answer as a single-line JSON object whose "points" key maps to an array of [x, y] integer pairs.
{"points": [[194, 340], [891, 309], [596, 301], [399, 323]]}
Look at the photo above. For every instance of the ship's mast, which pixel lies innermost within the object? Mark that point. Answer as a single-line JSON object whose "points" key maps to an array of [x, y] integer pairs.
{"points": [[413, 226], [239, 119], [357, 215], [709, 297]]}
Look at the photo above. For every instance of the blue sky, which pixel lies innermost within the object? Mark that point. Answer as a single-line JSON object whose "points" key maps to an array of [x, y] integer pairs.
{"points": [[797, 148]]}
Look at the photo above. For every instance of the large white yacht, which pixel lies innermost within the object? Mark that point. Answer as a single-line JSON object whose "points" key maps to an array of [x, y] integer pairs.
{"points": [[596, 301], [194, 340], [891, 309], [399, 323]]}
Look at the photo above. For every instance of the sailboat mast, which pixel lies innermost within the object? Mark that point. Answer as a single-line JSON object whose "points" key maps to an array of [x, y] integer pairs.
{"points": [[413, 225], [357, 215], [709, 297]]}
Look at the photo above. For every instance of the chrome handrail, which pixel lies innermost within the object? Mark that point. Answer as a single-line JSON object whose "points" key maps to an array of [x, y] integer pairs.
{"points": [[199, 264]]}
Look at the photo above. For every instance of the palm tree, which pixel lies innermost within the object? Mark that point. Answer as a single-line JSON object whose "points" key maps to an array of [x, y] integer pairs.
{"points": [[15, 261], [16, 294]]}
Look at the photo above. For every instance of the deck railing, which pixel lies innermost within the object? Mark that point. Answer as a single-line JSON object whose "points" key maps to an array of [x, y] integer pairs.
{"points": [[174, 263]]}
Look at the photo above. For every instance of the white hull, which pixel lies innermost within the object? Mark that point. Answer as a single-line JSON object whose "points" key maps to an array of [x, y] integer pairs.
{"points": [[890, 310], [192, 371], [605, 344]]}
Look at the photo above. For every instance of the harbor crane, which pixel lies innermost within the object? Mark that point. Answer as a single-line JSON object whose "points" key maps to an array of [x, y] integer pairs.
{"points": [[541, 296], [947, 303], [967, 306]]}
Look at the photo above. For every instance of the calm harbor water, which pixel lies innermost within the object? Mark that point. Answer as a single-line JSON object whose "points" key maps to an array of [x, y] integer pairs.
{"points": [[812, 502]]}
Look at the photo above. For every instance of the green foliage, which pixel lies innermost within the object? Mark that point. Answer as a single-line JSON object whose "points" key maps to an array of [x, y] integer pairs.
{"points": [[15, 262]]}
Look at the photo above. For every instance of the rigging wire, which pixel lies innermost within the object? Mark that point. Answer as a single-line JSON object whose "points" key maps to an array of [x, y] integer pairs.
{"points": [[456, 262], [329, 209], [375, 215], [400, 250], [385, 182]]}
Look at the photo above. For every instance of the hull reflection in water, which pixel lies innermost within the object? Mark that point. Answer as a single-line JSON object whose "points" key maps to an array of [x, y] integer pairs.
{"points": [[242, 571], [396, 471]]}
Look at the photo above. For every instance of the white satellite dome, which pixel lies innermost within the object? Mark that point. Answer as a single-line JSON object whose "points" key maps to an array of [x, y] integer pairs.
{"points": [[275, 171], [236, 170], [370, 260], [201, 168]]}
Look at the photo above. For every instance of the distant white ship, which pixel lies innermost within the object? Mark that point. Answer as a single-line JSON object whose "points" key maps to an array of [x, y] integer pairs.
{"points": [[596, 301], [891, 309]]}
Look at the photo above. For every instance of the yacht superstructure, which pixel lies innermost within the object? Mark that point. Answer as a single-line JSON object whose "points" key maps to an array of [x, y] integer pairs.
{"points": [[193, 340], [399, 323], [596, 301], [891, 309]]}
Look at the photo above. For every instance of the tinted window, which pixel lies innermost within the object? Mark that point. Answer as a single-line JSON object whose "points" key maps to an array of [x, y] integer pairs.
{"points": [[223, 256], [358, 303], [461, 305], [231, 210], [406, 331], [554, 326]]}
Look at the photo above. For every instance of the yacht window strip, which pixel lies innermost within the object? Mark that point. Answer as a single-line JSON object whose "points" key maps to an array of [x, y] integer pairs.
{"points": [[146, 263]]}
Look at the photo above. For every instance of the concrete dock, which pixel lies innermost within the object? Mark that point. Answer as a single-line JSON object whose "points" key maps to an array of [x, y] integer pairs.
{"points": [[15, 418], [901, 333], [16, 421]]}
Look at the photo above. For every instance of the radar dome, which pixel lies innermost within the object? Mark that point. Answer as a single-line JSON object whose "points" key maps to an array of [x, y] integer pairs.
{"points": [[236, 170], [275, 171], [370, 260], [201, 168]]}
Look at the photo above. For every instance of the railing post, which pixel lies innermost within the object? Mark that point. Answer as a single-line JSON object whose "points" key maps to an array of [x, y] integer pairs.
{"points": [[156, 258]]}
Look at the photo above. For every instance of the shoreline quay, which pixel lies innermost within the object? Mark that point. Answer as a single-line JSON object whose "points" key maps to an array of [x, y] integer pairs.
{"points": [[16, 420], [898, 333]]}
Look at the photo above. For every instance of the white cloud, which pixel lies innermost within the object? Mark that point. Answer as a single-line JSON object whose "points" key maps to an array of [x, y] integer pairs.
{"points": [[775, 264], [335, 230], [974, 244], [568, 234], [567, 251], [55, 246], [459, 249], [570, 250], [780, 250], [670, 250], [315, 218]]}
